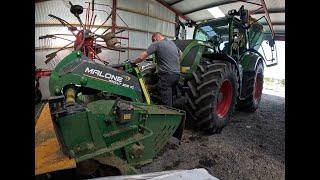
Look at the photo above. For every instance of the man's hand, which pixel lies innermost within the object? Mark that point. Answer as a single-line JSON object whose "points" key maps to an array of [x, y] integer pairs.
{"points": [[141, 57], [133, 62]]}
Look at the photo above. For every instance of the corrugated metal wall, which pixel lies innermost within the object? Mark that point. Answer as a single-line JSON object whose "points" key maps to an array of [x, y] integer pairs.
{"points": [[143, 17]]}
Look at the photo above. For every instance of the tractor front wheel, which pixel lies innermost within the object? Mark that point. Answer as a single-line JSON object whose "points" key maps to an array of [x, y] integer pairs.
{"points": [[252, 89], [212, 95]]}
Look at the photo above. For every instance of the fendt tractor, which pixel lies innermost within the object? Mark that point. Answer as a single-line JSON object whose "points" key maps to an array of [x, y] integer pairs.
{"points": [[104, 119], [221, 70]]}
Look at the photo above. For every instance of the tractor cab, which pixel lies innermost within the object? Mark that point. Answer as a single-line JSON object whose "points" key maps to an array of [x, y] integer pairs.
{"points": [[227, 35], [237, 33], [214, 31]]}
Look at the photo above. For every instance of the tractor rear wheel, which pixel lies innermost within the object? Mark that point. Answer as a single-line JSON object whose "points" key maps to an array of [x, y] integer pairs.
{"points": [[252, 89], [212, 95]]}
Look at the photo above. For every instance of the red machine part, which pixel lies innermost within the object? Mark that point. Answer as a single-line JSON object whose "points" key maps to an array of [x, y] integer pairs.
{"points": [[42, 73], [86, 45], [86, 39]]}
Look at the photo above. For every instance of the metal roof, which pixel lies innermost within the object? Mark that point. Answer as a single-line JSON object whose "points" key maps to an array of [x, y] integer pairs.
{"points": [[198, 10]]}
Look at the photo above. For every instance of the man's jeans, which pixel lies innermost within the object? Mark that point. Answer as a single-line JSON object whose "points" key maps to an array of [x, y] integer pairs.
{"points": [[167, 81]]}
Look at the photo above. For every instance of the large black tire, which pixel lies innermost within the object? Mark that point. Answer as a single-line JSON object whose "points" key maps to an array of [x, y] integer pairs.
{"points": [[251, 89], [202, 108]]}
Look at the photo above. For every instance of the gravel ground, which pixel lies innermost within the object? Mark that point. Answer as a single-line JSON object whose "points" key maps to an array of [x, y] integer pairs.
{"points": [[252, 146]]}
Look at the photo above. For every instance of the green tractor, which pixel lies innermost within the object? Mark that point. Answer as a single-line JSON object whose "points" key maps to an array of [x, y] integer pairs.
{"points": [[221, 70]]}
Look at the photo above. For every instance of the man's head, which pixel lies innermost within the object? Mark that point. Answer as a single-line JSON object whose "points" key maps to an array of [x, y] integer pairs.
{"points": [[157, 37]]}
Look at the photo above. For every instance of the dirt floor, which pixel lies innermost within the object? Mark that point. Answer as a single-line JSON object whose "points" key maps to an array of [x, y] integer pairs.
{"points": [[252, 146]]}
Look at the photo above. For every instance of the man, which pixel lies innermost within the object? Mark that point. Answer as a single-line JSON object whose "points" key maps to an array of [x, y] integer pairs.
{"points": [[168, 62]]}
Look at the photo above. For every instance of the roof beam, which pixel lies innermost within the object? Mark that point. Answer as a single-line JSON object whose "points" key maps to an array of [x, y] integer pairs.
{"points": [[277, 33], [37, 1], [270, 11], [214, 4], [280, 33], [274, 23], [171, 4], [249, 2], [178, 13], [277, 37], [280, 38], [262, 23]]}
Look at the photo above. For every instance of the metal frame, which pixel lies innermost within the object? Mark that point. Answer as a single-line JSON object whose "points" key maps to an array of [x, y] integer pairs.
{"points": [[58, 47], [171, 4], [263, 4], [144, 14], [214, 4], [114, 15], [275, 23], [104, 26], [261, 10], [279, 38], [271, 11], [87, 45], [262, 7], [178, 13]]}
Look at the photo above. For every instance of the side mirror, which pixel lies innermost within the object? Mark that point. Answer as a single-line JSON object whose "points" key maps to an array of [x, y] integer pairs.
{"points": [[271, 43], [273, 56]]}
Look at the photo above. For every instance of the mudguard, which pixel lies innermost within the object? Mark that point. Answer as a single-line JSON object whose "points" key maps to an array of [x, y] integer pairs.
{"points": [[250, 59]]}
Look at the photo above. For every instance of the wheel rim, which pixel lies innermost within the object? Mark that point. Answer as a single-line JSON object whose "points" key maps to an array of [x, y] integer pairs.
{"points": [[258, 86], [225, 98]]}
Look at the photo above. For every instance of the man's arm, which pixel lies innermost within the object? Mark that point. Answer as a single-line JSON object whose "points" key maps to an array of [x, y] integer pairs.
{"points": [[151, 49], [141, 57]]}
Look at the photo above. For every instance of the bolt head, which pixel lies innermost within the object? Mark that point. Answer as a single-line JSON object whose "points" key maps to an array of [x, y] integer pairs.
{"points": [[57, 90], [83, 80]]}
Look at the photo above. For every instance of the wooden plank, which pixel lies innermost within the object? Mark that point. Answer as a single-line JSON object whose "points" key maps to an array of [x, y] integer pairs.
{"points": [[48, 155]]}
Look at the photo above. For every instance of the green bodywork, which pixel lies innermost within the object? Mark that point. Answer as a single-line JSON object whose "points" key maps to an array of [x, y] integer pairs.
{"points": [[193, 62], [122, 132], [57, 81], [247, 60], [255, 38], [98, 131]]}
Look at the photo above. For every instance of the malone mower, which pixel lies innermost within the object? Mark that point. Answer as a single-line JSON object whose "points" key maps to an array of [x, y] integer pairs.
{"points": [[99, 119]]}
